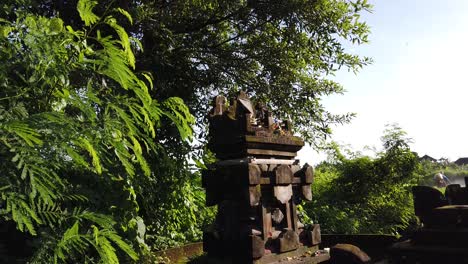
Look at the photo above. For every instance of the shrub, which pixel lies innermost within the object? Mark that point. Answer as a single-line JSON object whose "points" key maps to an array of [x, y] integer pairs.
{"points": [[367, 195]]}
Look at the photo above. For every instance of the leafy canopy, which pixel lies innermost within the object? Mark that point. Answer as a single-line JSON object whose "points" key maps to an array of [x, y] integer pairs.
{"points": [[280, 52], [74, 114]]}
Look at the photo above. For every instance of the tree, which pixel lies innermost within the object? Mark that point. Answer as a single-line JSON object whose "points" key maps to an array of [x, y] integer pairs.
{"points": [[280, 52], [76, 124]]}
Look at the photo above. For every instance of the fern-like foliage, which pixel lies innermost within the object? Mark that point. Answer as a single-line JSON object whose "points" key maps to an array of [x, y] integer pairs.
{"points": [[85, 8], [76, 126]]}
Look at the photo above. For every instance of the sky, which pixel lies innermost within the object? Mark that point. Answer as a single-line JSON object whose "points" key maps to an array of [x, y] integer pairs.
{"points": [[418, 79]]}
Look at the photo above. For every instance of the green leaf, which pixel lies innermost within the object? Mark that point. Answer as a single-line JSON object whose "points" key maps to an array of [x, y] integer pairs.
{"points": [[178, 112], [125, 13], [104, 221], [71, 241], [4, 31], [86, 145], [85, 9], [55, 25], [121, 244], [124, 40]]}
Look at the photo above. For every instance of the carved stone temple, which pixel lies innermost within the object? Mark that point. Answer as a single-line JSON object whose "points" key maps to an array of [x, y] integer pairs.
{"points": [[256, 184]]}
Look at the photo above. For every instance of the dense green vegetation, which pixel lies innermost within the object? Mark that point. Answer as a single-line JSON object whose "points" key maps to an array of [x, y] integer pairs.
{"points": [[359, 194], [280, 52], [99, 99], [356, 194], [76, 125]]}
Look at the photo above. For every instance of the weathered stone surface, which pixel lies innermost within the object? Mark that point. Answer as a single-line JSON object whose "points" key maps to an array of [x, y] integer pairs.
{"points": [[266, 219], [295, 169], [306, 191], [347, 253], [272, 167], [253, 183], [263, 167], [315, 235], [277, 216], [283, 193], [254, 174], [254, 195], [258, 247], [288, 240], [284, 174], [219, 105], [308, 174]]}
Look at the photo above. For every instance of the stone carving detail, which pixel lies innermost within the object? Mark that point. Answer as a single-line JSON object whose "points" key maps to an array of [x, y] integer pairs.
{"points": [[256, 184]]}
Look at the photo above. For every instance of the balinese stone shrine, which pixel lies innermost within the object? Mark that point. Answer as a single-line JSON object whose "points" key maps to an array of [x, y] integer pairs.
{"points": [[257, 184]]}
